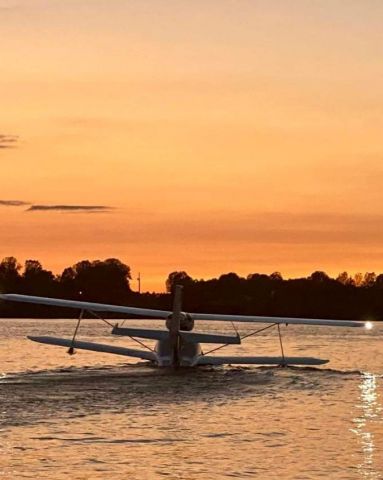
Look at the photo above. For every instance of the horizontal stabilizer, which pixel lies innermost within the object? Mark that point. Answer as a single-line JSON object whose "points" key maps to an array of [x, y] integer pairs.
{"points": [[149, 333], [95, 347], [206, 360], [195, 337], [190, 337]]}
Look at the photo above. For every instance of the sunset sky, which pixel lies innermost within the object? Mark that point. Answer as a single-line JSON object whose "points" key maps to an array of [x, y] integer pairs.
{"points": [[224, 135]]}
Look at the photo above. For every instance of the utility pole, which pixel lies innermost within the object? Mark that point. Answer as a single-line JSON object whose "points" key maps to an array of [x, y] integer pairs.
{"points": [[139, 282]]}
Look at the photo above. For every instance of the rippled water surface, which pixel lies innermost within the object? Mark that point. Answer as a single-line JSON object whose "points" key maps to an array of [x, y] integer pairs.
{"points": [[93, 415]]}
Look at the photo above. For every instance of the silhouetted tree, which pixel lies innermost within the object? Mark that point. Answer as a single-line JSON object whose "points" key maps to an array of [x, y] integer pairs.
{"points": [[103, 281], [379, 281], [9, 274], [369, 279], [345, 279], [178, 278], [358, 279], [36, 280], [319, 276], [277, 276]]}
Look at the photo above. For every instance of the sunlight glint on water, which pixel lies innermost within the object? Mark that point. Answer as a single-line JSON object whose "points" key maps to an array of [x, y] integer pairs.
{"points": [[371, 412]]}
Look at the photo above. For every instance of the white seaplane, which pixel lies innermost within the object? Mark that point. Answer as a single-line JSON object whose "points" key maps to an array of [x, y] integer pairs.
{"points": [[178, 345]]}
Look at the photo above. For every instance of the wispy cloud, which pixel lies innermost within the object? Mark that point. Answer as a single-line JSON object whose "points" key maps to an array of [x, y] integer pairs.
{"points": [[8, 141], [13, 203], [57, 208], [69, 208]]}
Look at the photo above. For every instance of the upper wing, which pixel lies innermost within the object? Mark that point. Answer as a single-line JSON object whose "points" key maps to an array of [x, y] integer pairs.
{"points": [[146, 312], [96, 307], [287, 320]]}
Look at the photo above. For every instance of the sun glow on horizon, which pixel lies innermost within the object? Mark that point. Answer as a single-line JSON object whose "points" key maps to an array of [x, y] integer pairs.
{"points": [[227, 136]]}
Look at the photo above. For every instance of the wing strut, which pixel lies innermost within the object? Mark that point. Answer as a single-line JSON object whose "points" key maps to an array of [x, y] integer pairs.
{"points": [[281, 344], [241, 338], [71, 348], [284, 361], [116, 326]]}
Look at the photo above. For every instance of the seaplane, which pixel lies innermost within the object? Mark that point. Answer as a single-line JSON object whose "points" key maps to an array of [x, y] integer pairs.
{"points": [[178, 345]]}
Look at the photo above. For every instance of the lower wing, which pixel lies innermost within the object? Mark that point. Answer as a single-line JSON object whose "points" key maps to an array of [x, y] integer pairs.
{"points": [[96, 347], [206, 360]]}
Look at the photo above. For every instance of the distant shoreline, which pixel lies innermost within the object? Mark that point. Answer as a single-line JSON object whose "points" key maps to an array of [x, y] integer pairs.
{"points": [[358, 297]]}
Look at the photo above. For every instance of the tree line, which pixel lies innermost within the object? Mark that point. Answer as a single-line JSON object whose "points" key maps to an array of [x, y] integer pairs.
{"points": [[358, 296]]}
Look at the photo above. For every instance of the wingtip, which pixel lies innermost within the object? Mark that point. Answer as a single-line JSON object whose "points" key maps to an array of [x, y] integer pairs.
{"points": [[34, 339]]}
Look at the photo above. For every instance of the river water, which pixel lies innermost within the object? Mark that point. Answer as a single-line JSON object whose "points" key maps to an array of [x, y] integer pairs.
{"points": [[99, 416]]}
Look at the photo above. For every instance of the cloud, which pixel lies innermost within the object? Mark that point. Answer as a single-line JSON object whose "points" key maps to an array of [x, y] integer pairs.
{"points": [[69, 208], [8, 141], [13, 203]]}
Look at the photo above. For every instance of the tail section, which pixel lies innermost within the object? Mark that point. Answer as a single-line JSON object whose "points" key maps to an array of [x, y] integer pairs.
{"points": [[174, 324]]}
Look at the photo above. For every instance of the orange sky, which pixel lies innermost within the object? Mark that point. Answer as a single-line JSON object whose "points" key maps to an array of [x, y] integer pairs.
{"points": [[241, 135]]}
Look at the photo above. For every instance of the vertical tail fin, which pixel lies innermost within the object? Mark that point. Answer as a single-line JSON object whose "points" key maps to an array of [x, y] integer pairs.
{"points": [[174, 324]]}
